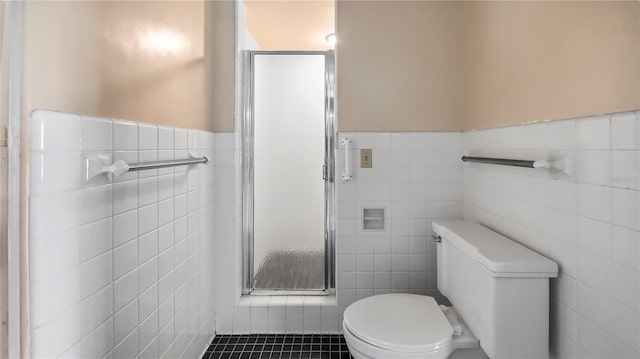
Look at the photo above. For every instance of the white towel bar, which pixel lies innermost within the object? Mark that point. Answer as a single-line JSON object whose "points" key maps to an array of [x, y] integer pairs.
{"points": [[99, 164]]}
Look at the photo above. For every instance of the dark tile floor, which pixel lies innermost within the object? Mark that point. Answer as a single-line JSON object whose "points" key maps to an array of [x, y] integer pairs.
{"points": [[278, 346]]}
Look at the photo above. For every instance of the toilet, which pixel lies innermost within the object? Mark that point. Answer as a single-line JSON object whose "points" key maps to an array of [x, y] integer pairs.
{"points": [[499, 291]]}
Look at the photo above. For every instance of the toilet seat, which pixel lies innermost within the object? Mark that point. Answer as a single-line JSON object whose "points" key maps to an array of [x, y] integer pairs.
{"points": [[399, 322]]}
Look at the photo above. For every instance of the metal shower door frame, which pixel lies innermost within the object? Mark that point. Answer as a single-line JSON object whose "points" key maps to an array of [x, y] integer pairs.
{"points": [[247, 172]]}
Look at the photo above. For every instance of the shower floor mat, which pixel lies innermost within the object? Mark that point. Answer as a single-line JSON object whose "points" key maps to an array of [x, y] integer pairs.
{"points": [[291, 270], [278, 346]]}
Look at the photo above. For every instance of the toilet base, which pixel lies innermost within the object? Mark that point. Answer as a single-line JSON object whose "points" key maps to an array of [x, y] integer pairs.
{"points": [[473, 353]]}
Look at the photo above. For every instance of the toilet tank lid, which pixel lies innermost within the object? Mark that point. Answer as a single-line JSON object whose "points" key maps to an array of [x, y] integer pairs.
{"points": [[497, 253]]}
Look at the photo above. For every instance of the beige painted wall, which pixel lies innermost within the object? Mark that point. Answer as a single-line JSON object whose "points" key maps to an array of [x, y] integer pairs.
{"points": [[152, 64], [403, 66], [435, 66], [61, 60], [291, 25], [142, 61], [398, 66], [534, 61], [220, 51]]}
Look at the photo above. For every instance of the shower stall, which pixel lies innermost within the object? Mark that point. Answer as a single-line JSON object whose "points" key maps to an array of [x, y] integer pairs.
{"points": [[288, 170]]}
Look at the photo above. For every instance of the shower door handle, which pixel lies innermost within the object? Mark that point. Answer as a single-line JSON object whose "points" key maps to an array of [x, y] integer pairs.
{"points": [[325, 172]]}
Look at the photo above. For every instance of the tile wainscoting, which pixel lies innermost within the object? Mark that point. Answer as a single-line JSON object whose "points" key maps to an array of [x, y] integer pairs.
{"points": [[112, 239], [416, 177], [120, 267], [587, 221]]}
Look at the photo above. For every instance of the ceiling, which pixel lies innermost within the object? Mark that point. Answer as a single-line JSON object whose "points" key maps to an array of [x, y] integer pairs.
{"points": [[291, 25]]}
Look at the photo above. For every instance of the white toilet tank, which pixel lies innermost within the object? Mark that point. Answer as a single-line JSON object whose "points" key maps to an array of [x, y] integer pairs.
{"points": [[499, 287]]}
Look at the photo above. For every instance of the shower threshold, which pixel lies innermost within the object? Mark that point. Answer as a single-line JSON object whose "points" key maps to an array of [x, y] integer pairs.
{"points": [[264, 292], [287, 300]]}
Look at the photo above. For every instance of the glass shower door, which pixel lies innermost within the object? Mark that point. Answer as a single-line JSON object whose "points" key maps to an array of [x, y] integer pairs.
{"points": [[289, 187]]}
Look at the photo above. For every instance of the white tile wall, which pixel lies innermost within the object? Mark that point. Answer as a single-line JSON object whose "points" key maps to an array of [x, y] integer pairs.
{"points": [[227, 231], [587, 221], [123, 267], [416, 177]]}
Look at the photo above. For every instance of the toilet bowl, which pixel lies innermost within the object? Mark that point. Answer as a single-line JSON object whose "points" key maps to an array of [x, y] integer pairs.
{"points": [[404, 326]]}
